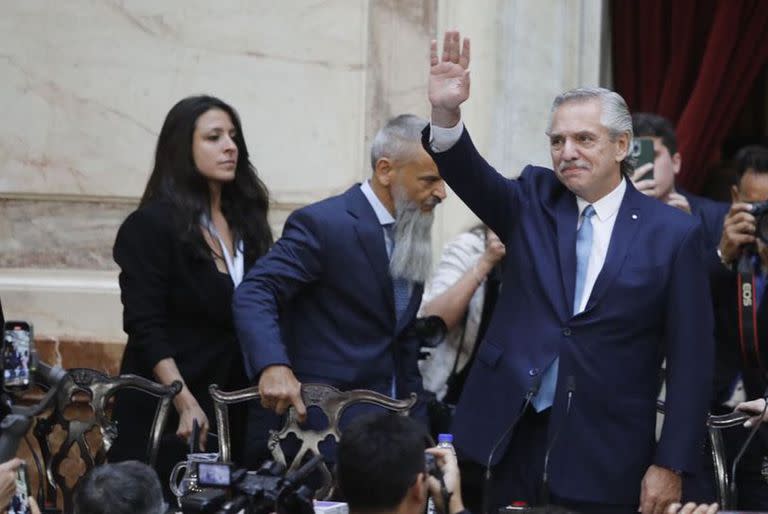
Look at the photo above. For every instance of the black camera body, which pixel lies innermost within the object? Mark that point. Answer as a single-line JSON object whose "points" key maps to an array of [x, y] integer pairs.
{"points": [[760, 212], [263, 491]]}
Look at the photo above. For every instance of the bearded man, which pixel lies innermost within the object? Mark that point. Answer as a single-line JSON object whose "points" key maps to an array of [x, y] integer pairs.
{"points": [[331, 302]]}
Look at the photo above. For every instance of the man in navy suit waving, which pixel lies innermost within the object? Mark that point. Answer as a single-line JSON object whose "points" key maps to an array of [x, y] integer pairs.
{"points": [[333, 299], [601, 283]]}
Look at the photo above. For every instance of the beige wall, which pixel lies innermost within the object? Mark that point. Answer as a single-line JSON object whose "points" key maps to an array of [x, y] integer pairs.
{"points": [[86, 85]]}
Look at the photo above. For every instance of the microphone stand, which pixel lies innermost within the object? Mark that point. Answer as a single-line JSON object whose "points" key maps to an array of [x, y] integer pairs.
{"points": [[532, 391], [571, 382]]}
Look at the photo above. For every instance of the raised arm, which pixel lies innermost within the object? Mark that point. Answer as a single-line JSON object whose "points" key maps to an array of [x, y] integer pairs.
{"points": [[449, 79]]}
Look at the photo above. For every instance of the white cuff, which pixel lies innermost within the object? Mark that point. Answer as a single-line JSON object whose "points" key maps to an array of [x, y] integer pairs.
{"points": [[442, 139]]}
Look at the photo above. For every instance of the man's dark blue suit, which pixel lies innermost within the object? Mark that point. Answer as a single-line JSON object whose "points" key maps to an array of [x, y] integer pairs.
{"points": [[651, 300], [322, 302]]}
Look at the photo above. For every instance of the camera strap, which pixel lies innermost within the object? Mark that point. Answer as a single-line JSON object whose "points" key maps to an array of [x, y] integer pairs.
{"points": [[748, 336]]}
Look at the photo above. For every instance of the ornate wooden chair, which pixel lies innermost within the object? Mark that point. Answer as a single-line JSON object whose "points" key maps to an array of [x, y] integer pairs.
{"points": [[74, 414], [329, 400]]}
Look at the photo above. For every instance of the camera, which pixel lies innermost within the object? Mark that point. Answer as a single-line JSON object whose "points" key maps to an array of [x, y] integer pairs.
{"points": [[430, 330], [268, 489], [432, 467], [759, 211]]}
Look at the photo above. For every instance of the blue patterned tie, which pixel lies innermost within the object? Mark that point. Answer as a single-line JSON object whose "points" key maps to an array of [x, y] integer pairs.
{"points": [[402, 293], [583, 248], [401, 286]]}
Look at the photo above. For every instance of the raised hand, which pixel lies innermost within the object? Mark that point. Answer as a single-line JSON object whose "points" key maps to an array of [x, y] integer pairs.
{"points": [[449, 79]]}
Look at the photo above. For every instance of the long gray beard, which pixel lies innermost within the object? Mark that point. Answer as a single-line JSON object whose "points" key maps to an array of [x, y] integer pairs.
{"points": [[412, 255]]}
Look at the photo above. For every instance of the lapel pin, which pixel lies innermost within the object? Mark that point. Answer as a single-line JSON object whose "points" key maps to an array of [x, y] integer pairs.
{"points": [[634, 216]]}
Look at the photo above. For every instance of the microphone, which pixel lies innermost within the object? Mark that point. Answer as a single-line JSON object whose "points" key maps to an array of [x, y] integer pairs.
{"points": [[194, 437], [571, 387], [744, 447], [532, 391]]}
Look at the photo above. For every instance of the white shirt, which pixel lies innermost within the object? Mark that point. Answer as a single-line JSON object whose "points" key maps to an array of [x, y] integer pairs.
{"points": [[602, 228], [442, 139], [382, 214]]}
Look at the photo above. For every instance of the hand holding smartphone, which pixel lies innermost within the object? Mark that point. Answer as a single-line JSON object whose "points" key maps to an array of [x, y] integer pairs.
{"points": [[641, 154], [14, 487]]}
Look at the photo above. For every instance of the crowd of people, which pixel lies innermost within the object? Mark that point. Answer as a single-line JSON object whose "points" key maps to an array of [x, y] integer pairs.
{"points": [[581, 284]]}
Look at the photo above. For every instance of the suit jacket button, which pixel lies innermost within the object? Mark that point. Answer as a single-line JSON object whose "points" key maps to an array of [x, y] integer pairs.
{"points": [[566, 332], [533, 372]]}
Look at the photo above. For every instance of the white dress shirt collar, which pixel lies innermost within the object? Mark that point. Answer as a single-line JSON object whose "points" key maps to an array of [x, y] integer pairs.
{"points": [[383, 215], [607, 206]]}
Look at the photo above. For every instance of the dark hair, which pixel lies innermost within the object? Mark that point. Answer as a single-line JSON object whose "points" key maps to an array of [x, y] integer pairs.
{"points": [[646, 124], [753, 156], [175, 178], [379, 457], [129, 487]]}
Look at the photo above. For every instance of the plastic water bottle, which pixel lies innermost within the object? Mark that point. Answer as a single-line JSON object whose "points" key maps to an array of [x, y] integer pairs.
{"points": [[443, 441]]}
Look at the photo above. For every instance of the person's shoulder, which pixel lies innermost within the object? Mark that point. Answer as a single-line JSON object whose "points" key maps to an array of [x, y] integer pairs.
{"points": [[670, 219], [707, 205], [154, 217], [473, 238], [539, 174], [327, 208], [542, 182]]}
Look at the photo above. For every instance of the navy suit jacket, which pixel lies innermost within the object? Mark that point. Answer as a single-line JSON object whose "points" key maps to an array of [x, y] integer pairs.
{"points": [[651, 300], [322, 302], [712, 215]]}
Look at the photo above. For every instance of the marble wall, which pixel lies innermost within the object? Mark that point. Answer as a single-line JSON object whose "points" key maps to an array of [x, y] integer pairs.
{"points": [[86, 85]]}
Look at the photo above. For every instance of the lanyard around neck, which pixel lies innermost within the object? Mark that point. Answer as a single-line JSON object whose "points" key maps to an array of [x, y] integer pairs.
{"points": [[235, 263]]}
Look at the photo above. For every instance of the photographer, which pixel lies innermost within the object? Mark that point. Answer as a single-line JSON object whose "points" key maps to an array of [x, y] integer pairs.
{"points": [[381, 468], [741, 240], [128, 487]]}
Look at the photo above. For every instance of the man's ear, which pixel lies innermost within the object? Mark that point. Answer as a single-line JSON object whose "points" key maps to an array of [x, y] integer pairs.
{"points": [[382, 172], [677, 162], [622, 146], [418, 492], [734, 194]]}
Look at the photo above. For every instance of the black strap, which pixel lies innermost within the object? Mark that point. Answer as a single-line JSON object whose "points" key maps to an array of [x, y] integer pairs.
{"points": [[748, 337], [456, 379]]}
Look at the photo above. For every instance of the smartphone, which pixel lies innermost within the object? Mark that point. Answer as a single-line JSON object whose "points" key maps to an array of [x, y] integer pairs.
{"points": [[17, 353], [20, 500], [640, 154]]}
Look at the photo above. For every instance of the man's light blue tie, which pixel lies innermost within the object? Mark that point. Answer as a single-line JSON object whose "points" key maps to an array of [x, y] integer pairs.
{"points": [[583, 248]]}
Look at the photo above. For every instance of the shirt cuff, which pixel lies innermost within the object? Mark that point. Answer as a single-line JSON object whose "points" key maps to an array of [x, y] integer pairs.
{"points": [[442, 139]]}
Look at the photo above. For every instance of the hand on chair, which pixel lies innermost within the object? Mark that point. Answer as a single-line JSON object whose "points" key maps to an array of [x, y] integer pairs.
{"points": [[189, 411], [755, 408], [279, 389]]}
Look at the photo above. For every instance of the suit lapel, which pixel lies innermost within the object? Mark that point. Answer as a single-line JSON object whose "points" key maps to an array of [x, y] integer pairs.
{"points": [[371, 238], [628, 220], [566, 214]]}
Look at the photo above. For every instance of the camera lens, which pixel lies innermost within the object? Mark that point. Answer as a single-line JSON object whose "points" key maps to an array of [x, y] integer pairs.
{"points": [[762, 227]]}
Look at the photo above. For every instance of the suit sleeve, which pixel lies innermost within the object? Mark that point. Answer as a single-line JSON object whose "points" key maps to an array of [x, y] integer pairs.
{"points": [[492, 197], [143, 252], [689, 344], [293, 262]]}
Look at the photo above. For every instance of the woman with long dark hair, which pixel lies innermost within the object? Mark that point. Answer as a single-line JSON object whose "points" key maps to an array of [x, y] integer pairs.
{"points": [[201, 224]]}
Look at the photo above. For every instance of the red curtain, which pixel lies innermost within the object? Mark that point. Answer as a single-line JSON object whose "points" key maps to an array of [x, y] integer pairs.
{"points": [[692, 61]]}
